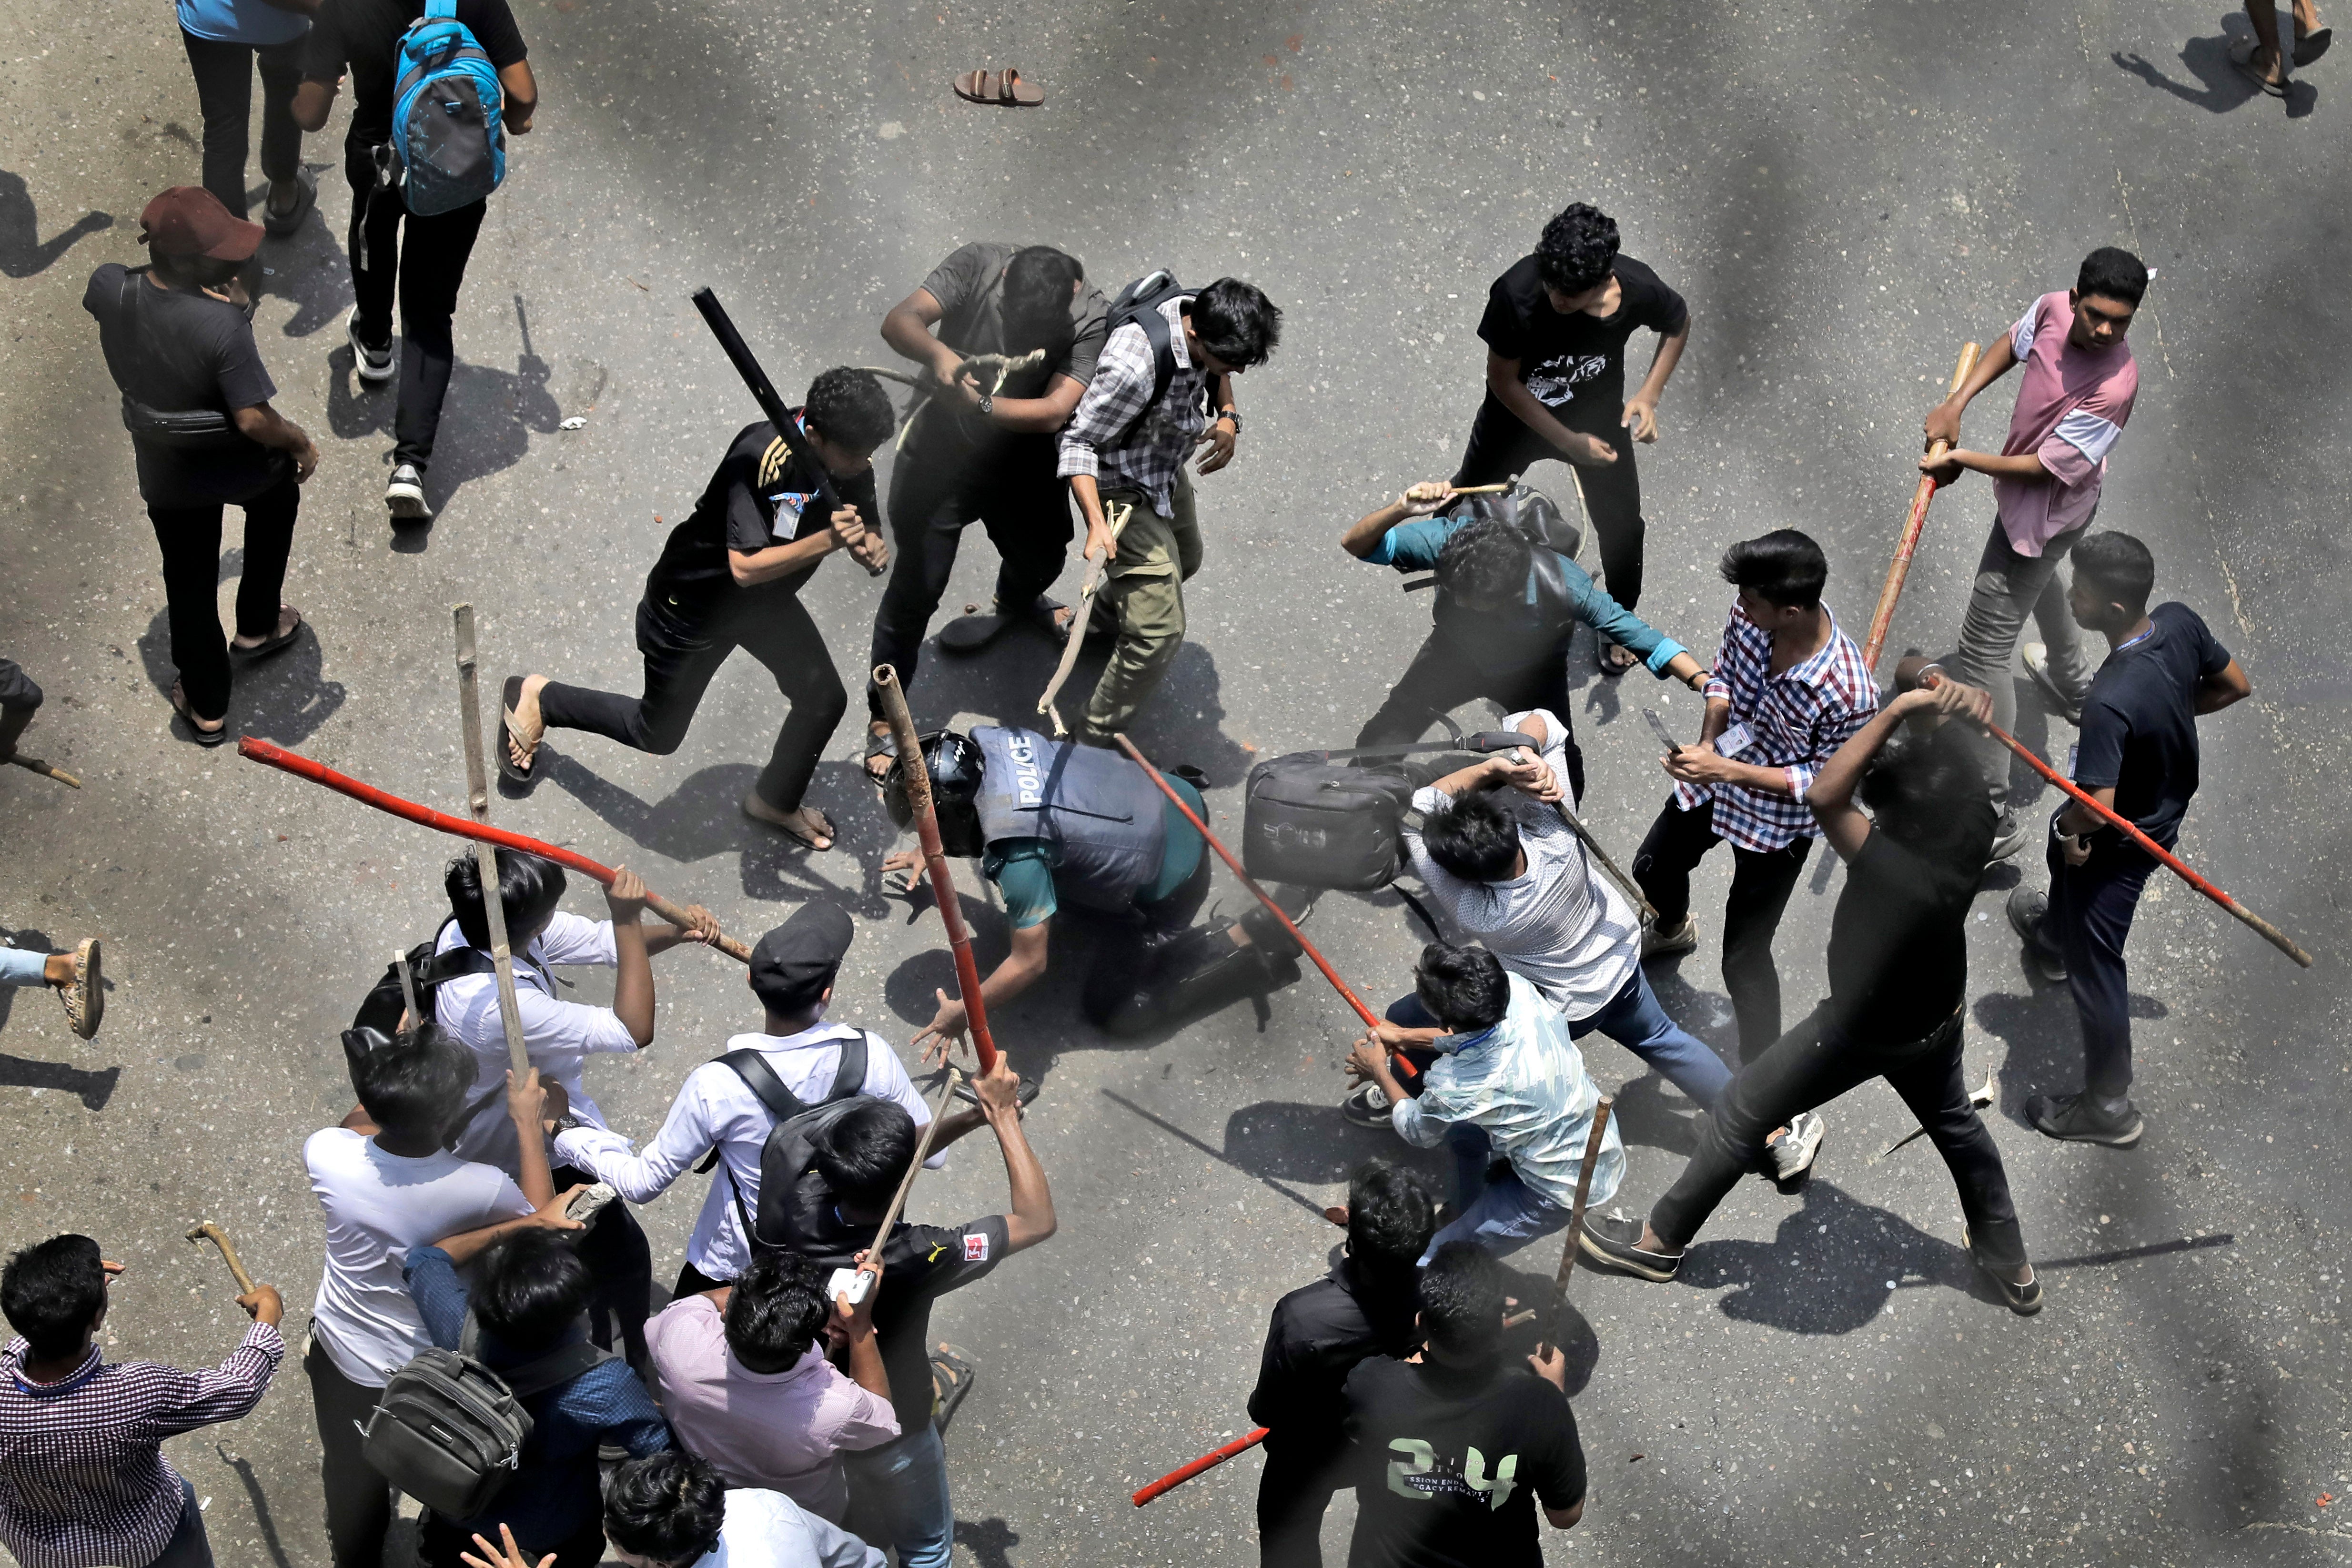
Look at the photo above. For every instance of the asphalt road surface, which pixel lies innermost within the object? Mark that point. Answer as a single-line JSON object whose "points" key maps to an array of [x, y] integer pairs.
{"points": [[1845, 193]]}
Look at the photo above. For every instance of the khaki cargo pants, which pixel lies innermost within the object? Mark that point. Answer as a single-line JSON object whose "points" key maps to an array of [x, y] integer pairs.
{"points": [[1145, 592]]}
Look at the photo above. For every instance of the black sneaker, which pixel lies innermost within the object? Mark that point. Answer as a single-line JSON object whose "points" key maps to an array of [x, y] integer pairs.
{"points": [[2028, 908], [1791, 1154], [2023, 1300], [1367, 1105], [2079, 1118], [2008, 839], [1613, 1242]]}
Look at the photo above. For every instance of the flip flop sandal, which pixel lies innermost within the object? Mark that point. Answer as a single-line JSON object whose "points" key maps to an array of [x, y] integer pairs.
{"points": [[977, 86], [885, 745], [952, 1378], [1608, 666], [2246, 69], [509, 695], [202, 736], [2310, 47], [1014, 93], [276, 644]]}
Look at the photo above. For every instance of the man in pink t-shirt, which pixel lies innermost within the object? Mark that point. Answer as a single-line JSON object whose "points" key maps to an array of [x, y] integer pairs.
{"points": [[2076, 393]]}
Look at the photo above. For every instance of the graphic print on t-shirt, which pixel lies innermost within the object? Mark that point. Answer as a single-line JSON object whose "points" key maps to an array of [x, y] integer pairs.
{"points": [[1554, 382], [1421, 1475]]}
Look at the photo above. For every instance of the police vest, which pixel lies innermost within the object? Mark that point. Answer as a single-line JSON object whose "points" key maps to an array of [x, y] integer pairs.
{"points": [[1098, 812]]}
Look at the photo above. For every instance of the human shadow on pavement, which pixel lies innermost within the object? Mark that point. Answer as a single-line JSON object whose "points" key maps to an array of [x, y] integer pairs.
{"points": [[23, 252], [253, 1492], [990, 1541], [93, 1089], [285, 697], [2220, 86], [2043, 1039]]}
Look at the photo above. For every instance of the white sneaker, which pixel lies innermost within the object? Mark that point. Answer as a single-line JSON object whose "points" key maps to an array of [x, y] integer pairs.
{"points": [[2037, 665], [1792, 1154], [376, 366], [404, 497]]}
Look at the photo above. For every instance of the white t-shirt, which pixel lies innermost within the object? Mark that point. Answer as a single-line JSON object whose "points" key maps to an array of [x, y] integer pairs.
{"points": [[768, 1530], [716, 1107], [559, 1036], [378, 1206]]}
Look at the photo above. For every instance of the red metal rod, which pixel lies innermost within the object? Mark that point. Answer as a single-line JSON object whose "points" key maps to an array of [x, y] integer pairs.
{"points": [[1883, 615], [1329, 973], [1208, 1462], [255, 750]]}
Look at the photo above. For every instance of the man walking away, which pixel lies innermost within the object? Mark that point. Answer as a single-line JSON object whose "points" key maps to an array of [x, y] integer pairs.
{"points": [[1789, 690], [1451, 1453], [423, 254], [1125, 448], [2263, 60], [1556, 328], [83, 1480], [196, 398], [729, 577], [1318, 1334], [227, 41], [1898, 986], [2139, 756], [2076, 394], [674, 1511]]}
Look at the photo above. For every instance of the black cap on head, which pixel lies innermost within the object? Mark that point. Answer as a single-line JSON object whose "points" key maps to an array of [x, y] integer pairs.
{"points": [[794, 964]]}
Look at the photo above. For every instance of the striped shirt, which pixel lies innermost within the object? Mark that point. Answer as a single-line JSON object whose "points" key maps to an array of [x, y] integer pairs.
{"points": [[1794, 720], [1569, 930], [1104, 437], [82, 1481]]}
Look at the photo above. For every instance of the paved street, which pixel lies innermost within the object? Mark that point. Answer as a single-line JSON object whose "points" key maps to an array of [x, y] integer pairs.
{"points": [[1844, 194]]}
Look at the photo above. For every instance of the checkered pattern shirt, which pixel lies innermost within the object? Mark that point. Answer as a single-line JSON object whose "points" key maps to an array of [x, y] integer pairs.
{"points": [[1106, 440], [82, 1481], [1798, 719]]}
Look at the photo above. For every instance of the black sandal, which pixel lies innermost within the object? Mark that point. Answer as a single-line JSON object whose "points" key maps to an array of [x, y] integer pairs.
{"points": [[270, 645], [952, 1378], [885, 745], [509, 695], [202, 736]]}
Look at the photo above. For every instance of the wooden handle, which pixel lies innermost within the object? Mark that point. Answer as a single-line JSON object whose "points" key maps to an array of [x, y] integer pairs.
{"points": [[35, 764], [1575, 1224], [1882, 615], [210, 1232]]}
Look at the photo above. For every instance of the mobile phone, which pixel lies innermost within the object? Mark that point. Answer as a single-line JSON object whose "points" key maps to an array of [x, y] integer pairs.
{"points": [[851, 1283], [1658, 728]]}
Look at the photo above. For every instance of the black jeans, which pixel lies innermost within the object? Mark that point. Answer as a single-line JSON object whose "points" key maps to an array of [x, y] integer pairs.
{"points": [[2091, 909], [680, 660], [934, 493], [427, 263], [190, 537], [1500, 447], [615, 1249], [1761, 881], [1441, 678], [1294, 1491], [359, 1499], [1813, 1064], [224, 73]]}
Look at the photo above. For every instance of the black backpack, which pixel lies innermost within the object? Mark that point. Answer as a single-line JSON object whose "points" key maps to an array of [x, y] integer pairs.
{"points": [[381, 1008], [1140, 302], [1317, 820], [794, 1207]]}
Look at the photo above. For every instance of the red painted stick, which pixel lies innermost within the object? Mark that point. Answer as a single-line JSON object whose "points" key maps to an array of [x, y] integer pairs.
{"points": [[2269, 932], [1329, 973], [1208, 1462], [1883, 615], [255, 750]]}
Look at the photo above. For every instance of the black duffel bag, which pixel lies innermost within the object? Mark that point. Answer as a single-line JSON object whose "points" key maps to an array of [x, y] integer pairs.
{"points": [[1312, 819]]}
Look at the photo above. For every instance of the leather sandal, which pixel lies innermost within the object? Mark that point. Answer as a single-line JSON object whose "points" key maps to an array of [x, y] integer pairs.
{"points": [[1006, 90], [202, 736]]}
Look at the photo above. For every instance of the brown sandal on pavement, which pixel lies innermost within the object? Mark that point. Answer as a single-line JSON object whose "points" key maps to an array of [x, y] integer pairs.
{"points": [[1006, 89]]}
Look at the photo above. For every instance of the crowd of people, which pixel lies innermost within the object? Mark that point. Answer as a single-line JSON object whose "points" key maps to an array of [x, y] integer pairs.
{"points": [[488, 1335]]}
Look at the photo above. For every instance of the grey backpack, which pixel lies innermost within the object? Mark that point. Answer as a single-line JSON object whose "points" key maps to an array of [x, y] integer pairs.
{"points": [[450, 1431]]}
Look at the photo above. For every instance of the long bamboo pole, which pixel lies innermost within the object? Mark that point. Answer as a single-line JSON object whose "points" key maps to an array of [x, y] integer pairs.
{"points": [[1883, 615]]}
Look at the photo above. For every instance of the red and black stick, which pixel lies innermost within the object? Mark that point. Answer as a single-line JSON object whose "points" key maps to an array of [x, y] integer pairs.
{"points": [[1208, 1462]]}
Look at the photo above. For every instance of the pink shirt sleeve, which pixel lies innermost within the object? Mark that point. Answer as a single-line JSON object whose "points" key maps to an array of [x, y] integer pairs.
{"points": [[860, 1419]]}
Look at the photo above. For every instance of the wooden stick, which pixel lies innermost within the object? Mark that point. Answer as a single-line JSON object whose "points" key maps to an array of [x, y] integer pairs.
{"points": [[1208, 1462], [1477, 490], [35, 764], [210, 1232], [922, 1152], [1575, 1225], [1081, 613], [486, 858], [407, 987], [1883, 615], [935, 860]]}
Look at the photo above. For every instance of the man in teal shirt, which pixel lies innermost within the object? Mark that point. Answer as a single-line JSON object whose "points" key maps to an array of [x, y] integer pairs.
{"points": [[1509, 596], [1060, 826]]}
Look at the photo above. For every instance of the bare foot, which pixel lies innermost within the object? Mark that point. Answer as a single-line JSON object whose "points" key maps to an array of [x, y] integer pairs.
{"points": [[807, 824]]}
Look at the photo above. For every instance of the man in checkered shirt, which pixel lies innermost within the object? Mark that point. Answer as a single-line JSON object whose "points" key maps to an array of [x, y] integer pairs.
{"points": [[1789, 690], [83, 1483], [1125, 448]]}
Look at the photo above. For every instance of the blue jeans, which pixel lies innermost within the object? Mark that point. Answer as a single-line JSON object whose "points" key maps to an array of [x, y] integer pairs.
{"points": [[23, 966], [898, 1498], [188, 1548], [1499, 1214]]}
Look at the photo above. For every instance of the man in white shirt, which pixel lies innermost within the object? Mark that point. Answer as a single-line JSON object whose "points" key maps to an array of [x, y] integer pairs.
{"points": [[386, 1184], [671, 1511], [792, 972]]}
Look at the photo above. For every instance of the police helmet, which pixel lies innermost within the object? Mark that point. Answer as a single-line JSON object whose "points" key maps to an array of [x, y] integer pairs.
{"points": [[953, 763]]}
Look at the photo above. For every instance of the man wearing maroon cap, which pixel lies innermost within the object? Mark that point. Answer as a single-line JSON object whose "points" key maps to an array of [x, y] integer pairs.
{"points": [[179, 342]]}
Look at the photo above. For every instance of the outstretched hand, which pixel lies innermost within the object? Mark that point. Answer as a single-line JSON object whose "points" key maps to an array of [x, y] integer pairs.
{"points": [[944, 1032], [507, 1555]]}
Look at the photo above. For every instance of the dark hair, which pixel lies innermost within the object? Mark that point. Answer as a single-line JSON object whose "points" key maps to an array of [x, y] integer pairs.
{"points": [[1236, 322], [1483, 562], [1784, 566], [1464, 986], [850, 409], [1460, 1301], [530, 887], [667, 1506], [192, 271], [1037, 300], [2118, 566], [2114, 272], [52, 1292], [1391, 1214], [530, 1286], [1476, 837], [777, 1308], [415, 1082], [1577, 249], [1919, 783], [864, 1152]]}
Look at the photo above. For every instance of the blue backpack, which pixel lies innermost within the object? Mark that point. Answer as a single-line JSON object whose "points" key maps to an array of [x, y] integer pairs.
{"points": [[446, 113]]}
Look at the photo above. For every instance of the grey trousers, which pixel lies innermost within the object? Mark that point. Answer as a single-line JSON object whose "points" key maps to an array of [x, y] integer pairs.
{"points": [[2008, 589]]}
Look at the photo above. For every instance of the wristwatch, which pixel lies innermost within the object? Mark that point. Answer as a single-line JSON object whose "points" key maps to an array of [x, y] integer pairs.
{"points": [[987, 405], [1233, 413], [567, 1122]]}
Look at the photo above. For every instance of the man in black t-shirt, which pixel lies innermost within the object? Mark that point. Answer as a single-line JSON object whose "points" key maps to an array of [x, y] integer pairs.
{"points": [[1318, 1334], [2137, 755], [1899, 975], [983, 447], [428, 261], [1556, 326], [1450, 1450], [730, 577]]}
